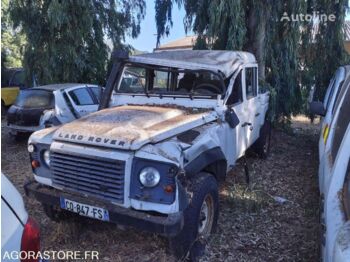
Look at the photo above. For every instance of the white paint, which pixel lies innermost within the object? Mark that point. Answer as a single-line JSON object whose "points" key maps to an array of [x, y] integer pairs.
{"points": [[333, 206], [11, 227], [328, 104]]}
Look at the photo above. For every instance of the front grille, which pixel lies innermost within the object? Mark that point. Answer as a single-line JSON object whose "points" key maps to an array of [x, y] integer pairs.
{"points": [[99, 177]]}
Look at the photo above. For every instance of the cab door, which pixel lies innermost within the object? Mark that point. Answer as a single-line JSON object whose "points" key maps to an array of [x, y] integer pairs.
{"points": [[252, 104], [84, 100], [236, 102]]}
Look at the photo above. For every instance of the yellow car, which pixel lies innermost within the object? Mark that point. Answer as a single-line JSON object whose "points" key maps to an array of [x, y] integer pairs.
{"points": [[12, 80]]}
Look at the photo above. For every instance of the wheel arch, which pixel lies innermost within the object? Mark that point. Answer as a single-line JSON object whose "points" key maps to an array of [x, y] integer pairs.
{"points": [[212, 161]]}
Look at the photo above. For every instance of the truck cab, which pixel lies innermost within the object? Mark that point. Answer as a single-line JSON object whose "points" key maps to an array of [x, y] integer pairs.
{"points": [[169, 128]]}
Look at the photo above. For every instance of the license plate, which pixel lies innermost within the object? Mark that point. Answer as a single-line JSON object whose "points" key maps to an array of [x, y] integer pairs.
{"points": [[84, 209]]}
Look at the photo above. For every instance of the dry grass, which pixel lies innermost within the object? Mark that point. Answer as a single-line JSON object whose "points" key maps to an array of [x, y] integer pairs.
{"points": [[252, 225]]}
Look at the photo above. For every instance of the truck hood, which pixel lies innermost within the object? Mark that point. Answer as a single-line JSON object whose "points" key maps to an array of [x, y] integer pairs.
{"points": [[130, 127]]}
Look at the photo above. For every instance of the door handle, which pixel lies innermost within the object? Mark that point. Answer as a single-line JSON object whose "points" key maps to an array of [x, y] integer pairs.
{"points": [[246, 124], [257, 114]]}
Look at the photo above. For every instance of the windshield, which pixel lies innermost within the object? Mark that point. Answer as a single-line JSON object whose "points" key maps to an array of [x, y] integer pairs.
{"points": [[169, 81], [35, 98]]}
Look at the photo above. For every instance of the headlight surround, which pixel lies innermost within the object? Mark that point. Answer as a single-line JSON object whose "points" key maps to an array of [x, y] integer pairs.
{"points": [[149, 177], [31, 148], [158, 193], [46, 157]]}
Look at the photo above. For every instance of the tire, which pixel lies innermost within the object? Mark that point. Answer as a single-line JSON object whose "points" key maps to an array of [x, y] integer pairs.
{"points": [[262, 146], [200, 217]]}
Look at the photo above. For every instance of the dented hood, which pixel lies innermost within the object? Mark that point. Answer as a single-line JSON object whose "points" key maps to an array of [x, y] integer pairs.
{"points": [[131, 127]]}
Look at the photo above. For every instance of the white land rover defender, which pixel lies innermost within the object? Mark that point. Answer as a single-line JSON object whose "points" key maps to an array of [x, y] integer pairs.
{"points": [[154, 154]]}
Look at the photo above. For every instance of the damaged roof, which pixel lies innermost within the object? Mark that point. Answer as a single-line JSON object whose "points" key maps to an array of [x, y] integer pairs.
{"points": [[54, 87], [226, 62]]}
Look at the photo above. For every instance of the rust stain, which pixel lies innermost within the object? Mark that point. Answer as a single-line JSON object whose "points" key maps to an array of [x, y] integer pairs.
{"points": [[132, 123]]}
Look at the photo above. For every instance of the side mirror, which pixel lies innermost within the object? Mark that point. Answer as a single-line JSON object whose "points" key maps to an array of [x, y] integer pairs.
{"points": [[316, 108], [231, 118]]}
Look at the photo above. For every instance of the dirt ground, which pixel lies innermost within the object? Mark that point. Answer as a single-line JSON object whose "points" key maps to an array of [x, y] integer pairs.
{"points": [[275, 218]]}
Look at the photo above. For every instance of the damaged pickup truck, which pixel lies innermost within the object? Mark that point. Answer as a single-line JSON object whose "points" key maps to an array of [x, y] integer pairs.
{"points": [[153, 155]]}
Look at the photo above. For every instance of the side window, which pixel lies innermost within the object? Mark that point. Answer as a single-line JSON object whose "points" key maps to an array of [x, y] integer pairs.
{"points": [[236, 94], [330, 91], [251, 82], [97, 92], [18, 79], [161, 81], [338, 96], [341, 125], [81, 97], [346, 192], [133, 80]]}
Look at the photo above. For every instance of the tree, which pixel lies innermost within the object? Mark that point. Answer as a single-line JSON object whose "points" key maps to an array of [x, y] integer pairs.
{"points": [[67, 40], [12, 41], [283, 47]]}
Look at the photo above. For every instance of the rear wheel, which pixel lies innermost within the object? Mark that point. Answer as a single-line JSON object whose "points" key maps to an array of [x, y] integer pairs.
{"points": [[200, 217]]}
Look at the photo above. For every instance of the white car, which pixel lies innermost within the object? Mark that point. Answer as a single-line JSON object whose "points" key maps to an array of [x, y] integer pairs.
{"points": [[335, 211], [43, 106], [327, 111], [19, 233], [72, 101]]}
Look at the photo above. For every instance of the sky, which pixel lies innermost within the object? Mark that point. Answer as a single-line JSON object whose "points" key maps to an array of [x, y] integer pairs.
{"points": [[147, 39]]}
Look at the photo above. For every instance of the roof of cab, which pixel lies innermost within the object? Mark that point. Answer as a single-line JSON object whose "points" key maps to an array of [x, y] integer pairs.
{"points": [[54, 87], [226, 62]]}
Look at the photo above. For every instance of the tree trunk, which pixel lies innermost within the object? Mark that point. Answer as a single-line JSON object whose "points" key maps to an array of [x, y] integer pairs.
{"points": [[256, 26]]}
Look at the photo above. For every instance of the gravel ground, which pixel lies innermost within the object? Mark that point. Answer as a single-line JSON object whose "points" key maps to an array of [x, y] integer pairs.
{"points": [[275, 218]]}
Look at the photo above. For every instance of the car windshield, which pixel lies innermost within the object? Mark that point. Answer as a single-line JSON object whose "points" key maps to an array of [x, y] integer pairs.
{"points": [[169, 81], [35, 98]]}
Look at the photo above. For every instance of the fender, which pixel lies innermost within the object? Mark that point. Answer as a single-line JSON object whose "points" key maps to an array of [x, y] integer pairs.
{"points": [[205, 161]]}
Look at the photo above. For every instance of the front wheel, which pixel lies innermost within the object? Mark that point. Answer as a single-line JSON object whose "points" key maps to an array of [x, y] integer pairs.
{"points": [[200, 217]]}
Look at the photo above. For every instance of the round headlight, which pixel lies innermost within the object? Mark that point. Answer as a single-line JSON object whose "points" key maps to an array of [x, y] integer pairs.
{"points": [[31, 148], [149, 177], [47, 157]]}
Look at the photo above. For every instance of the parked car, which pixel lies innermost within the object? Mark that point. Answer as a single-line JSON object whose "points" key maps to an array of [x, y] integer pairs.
{"points": [[35, 108], [19, 232], [154, 155], [327, 110], [12, 80], [335, 208]]}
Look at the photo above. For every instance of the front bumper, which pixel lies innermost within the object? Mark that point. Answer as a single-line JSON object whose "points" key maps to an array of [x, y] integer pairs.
{"points": [[170, 225]]}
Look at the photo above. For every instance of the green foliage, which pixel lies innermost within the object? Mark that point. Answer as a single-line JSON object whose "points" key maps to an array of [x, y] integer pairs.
{"points": [[291, 59], [12, 42], [329, 41], [67, 40], [282, 61]]}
